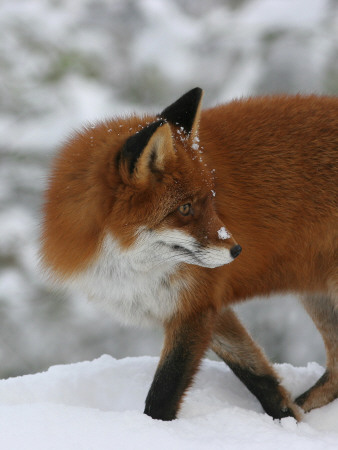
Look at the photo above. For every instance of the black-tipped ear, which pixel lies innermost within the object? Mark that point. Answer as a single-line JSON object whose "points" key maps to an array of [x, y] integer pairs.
{"points": [[147, 154], [184, 111], [135, 145]]}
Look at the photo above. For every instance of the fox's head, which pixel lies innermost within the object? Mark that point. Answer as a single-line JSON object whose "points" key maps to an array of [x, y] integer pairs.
{"points": [[143, 181]]}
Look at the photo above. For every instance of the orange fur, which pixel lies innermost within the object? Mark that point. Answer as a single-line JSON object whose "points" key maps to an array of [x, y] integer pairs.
{"points": [[277, 190]]}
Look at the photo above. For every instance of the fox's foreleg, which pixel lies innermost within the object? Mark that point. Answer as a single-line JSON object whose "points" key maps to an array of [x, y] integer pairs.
{"points": [[186, 340], [232, 343]]}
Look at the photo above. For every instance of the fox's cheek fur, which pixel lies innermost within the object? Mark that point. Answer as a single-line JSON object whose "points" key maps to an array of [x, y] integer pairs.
{"points": [[152, 263], [177, 246], [122, 281]]}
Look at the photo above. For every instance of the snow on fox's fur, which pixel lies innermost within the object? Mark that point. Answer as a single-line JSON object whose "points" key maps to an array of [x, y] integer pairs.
{"points": [[146, 213]]}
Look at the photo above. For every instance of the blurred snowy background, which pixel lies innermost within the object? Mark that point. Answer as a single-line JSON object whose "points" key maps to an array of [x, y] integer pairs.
{"points": [[67, 62]]}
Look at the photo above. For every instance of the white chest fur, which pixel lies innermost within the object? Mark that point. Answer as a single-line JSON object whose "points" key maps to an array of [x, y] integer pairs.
{"points": [[131, 283]]}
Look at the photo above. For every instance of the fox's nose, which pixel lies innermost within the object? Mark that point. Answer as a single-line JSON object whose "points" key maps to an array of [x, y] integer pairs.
{"points": [[235, 251]]}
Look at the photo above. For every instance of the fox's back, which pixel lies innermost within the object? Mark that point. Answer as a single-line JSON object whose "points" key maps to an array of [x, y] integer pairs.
{"points": [[275, 163]]}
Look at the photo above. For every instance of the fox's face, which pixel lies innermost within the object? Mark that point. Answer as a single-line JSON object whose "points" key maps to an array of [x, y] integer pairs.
{"points": [[144, 184], [167, 198]]}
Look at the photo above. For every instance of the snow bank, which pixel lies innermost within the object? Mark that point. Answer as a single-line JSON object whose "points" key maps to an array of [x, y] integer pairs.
{"points": [[99, 404]]}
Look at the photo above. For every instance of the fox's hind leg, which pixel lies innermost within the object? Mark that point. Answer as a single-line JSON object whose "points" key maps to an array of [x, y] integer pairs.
{"points": [[232, 343], [323, 311]]}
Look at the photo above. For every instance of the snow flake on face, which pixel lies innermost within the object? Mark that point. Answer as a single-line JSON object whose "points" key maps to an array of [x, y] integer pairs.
{"points": [[212, 172], [195, 143], [182, 134], [213, 193], [223, 234]]}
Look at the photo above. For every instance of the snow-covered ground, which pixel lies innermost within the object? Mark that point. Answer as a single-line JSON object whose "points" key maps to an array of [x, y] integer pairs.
{"points": [[99, 404]]}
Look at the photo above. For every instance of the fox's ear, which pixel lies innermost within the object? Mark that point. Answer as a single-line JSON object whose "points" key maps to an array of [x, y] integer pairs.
{"points": [[185, 112], [147, 153]]}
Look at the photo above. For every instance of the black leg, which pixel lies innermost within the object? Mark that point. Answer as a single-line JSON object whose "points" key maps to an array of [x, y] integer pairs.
{"points": [[232, 343], [185, 344]]}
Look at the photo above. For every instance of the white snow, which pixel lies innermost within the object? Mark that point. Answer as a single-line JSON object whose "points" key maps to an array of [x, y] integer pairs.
{"points": [[99, 405], [223, 233], [195, 144]]}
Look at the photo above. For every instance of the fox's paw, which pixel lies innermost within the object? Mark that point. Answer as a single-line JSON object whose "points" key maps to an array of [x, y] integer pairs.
{"points": [[279, 405], [291, 410], [284, 409]]}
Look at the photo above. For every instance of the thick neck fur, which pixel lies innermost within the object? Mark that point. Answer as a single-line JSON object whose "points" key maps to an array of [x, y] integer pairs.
{"points": [[121, 280]]}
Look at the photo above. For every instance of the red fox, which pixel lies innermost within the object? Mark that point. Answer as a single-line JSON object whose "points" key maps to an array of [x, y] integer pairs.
{"points": [[172, 218]]}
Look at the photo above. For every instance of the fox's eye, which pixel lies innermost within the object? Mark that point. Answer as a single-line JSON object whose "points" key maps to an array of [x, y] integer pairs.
{"points": [[186, 209]]}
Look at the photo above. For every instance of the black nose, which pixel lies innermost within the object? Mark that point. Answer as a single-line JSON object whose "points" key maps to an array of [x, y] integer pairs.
{"points": [[235, 251]]}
